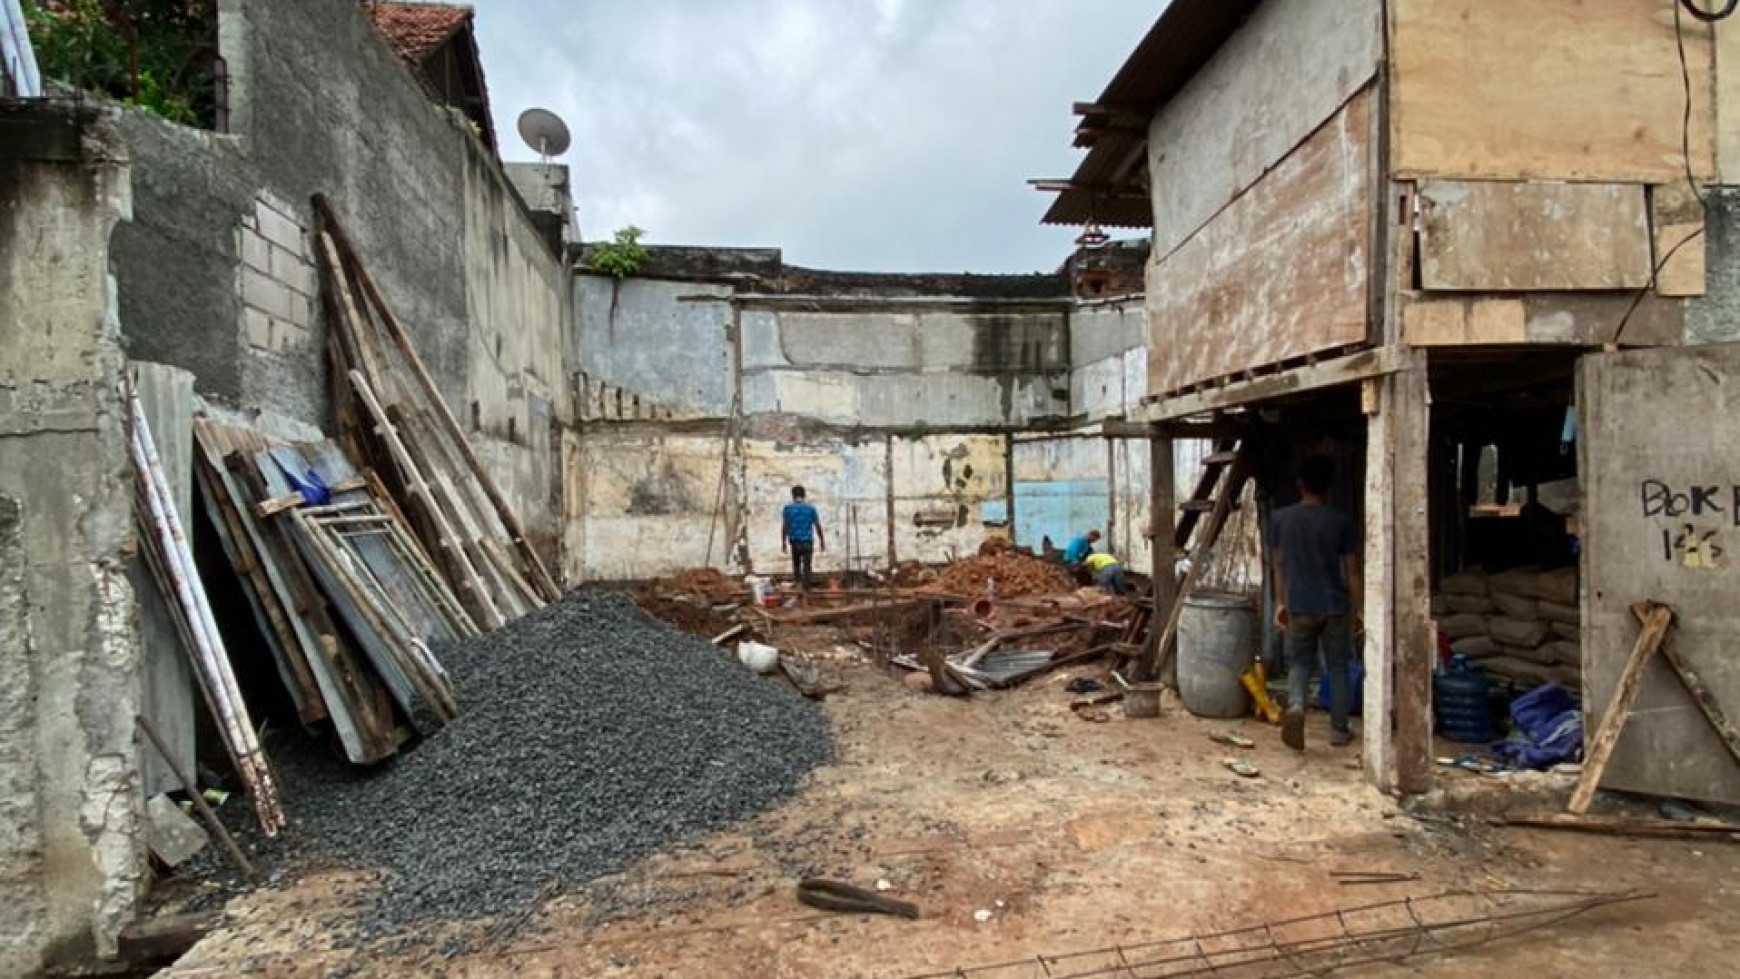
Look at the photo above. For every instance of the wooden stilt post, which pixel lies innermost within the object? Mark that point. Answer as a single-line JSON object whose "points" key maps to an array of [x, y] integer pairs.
{"points": [[1399, 642]]}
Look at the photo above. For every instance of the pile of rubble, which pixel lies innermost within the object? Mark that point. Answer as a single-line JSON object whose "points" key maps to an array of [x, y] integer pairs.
{"points": [[1005, 575]]}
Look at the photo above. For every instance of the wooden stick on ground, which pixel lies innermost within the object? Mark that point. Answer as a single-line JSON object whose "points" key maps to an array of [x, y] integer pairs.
{"points": [[1655, 627], [224, 839], [1620, 826]]}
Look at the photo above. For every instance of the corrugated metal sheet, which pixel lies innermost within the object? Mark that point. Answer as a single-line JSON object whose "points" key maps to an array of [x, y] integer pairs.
{"points": [[1187, 34]]}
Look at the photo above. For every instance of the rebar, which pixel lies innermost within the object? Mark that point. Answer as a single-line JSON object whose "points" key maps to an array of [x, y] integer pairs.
{"points": [[1392, 931]]}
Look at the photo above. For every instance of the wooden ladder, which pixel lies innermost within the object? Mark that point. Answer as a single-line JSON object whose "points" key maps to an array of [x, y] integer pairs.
{"points": [[1225, 474]]}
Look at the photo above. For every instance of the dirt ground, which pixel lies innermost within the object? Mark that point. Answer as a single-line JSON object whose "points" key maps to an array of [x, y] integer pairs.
{"points": [[1021, 829]]}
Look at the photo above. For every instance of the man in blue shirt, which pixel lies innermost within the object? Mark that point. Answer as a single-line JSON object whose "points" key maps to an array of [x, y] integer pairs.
{"points": [[1317, 580], [800, 529], [1080, 548]]}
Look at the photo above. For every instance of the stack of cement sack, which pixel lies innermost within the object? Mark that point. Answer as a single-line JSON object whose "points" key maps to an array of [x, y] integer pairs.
{"points": [[1520, 625]]}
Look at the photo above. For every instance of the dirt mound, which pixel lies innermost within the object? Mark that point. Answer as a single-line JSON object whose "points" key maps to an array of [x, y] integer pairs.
{"points": [[704, 581], [1016, 575]]}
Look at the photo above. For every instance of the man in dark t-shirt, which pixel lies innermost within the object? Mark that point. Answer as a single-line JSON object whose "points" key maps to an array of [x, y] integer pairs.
{"points": [[800, 529], [1317, 582]]}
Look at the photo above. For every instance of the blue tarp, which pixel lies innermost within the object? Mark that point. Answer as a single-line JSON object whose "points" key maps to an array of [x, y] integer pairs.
{"points": [[1546, 729]]}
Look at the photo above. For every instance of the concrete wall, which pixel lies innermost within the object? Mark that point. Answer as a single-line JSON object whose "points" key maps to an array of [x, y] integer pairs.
{"points": [[217, 270], [71, 867], [892, 399]]}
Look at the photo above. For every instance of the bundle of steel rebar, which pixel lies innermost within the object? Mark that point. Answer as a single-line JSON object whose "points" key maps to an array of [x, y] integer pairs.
{"points": [[171, 560]]}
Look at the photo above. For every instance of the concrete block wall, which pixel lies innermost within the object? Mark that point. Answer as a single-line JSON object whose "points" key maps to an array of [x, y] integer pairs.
{"points": [[280, 285], [218, 271]]}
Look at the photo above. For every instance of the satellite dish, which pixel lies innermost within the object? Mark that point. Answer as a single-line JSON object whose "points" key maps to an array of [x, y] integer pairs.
{"points": [[545, 132]]}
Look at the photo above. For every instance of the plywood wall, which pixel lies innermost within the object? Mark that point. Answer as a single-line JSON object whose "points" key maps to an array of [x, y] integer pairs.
{"points": [[1517, 89], [1661, 479], [1290, 67], [1281, 272], [1519, 236]]}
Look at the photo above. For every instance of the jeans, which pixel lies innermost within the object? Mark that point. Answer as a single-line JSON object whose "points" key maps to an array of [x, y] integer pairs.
{"points": [[801, 554], [1112, 580], [1333, 634]]}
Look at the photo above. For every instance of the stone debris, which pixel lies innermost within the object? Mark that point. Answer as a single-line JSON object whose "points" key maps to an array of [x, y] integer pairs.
{"points": [[589, 734]]}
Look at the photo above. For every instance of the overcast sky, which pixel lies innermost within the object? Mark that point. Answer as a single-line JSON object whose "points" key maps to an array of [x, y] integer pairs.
{"points": [[883, 135]]}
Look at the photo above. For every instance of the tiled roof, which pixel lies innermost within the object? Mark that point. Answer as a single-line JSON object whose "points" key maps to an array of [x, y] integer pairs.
{"points": [[416, 30]]}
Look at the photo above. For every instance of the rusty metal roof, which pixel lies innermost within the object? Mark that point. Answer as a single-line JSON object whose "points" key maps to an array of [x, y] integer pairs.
{"points": [[1106, 186]]}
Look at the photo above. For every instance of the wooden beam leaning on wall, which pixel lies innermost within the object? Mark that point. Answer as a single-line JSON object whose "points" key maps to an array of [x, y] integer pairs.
{"points": [[1399, 641]]}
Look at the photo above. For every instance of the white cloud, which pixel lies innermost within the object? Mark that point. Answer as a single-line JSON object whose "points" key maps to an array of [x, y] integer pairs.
{"points": [[867, 134]]}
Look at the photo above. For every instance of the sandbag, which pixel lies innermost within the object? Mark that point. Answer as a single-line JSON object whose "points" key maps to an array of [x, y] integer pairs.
{"points": [[1558, 587], [1564, 653], [1475, 647], [1466, 583], [1517, 607], [1569, 633], [1516, 632], [1459, 604], [1537, 655], [1517, 581], [1554, 612], [1455, 627]]}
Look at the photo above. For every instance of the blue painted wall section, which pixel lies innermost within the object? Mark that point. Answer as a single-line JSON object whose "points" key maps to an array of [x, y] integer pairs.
{"points": [[1059, 509]]}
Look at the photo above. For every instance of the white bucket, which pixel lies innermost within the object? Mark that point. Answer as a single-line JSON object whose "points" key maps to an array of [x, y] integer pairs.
{"points": [[760, 658]]}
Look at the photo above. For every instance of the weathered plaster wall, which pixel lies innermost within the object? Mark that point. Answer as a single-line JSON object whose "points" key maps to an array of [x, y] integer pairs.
{"points": [[70, 860], [890, 398], [895, 366], [1108, 358], [217, 271]]}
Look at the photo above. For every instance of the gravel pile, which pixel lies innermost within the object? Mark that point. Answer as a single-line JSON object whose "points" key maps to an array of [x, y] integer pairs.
{"points": [[589, 734]]}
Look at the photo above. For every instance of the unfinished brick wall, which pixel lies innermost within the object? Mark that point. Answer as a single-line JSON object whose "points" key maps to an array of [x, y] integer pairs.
{"points": [[279, 285]]}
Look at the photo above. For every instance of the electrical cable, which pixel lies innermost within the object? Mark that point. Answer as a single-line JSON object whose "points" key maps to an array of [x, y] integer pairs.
{"points": [[1710, 16]]}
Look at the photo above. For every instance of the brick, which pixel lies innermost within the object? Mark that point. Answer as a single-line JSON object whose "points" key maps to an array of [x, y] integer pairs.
{"points": [[256, 251], [301, 311], [290, 269], [266, 294], [279, 228], [257, 328], [287, 337]]}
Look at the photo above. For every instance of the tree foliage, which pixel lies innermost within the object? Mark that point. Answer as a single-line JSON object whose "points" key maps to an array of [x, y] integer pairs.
{"points": [[156, 54], [622, 256]]}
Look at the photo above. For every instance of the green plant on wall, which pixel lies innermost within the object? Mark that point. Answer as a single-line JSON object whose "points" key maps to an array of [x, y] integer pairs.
{"points": [[621, 256], [156, 54]]}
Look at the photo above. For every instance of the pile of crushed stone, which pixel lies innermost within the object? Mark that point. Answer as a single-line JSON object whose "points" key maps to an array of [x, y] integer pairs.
{"points": [[589, 734]]}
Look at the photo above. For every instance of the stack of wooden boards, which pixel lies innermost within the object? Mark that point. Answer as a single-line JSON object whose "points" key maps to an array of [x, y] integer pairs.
{"points": [[346, 599], [1521, 625], [393, 419], [356, 557]]}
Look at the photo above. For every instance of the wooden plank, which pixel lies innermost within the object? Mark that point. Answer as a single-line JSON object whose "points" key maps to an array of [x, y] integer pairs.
{"points": [[1459, 322], [1272, 84], [1696, 687], [1414, 636], [1529, 89], [352, 694], [1601, 743], [1378, 703], [1727, 97], [1621, 826], [1163, 573], [1657, 428], [1519, 237], [1581, 319], [1333, 372], [1280, 273], [1680, 243]]}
